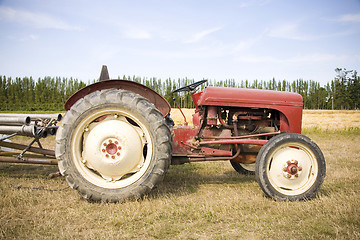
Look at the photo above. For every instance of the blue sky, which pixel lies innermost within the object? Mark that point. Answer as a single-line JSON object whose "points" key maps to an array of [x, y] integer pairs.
{"points": [[227, 39]]}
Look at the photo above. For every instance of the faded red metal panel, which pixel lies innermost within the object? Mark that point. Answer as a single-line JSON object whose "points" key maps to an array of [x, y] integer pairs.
{"points": [[151, 95], [289, 104], [183, 138], [211, 118]]}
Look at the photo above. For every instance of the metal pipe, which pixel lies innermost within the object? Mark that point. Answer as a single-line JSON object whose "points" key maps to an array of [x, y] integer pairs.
{"points": [[41, 132], [31, 149], [56, 116], [245, 136], [29, 160], [24, 130], [236, 141], [201, 159], [15, 121]]}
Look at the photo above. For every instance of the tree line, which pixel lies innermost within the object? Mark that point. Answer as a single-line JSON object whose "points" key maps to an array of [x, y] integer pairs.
{"points": [[45, 94], [27, 94]]}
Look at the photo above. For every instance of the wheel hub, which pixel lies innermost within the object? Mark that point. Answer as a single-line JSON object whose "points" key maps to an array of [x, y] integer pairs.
{"points": [[113, 148], [291, 169]]}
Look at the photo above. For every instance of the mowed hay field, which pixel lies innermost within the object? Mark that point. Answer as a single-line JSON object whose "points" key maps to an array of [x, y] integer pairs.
{"points": [[195, 201]]}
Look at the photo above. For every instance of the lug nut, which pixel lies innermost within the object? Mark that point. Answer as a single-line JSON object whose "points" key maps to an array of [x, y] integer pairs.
{"points": [[119, 147], [296, 162], [107, 155], [113, 157], [103, 150], [296, 175], [105, 144], [299, 168], [110, 141], [116, 142], [118, 153]]}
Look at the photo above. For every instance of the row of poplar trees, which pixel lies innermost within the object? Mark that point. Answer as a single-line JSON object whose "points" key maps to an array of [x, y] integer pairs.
{"points": [[50, 94]]}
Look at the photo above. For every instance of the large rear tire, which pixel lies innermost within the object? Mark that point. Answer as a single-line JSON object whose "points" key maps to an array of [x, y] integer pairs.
{"points": [[113, 145], [290, 167]]}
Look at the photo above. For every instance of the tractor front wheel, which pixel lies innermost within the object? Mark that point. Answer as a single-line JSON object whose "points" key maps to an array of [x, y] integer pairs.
{"points": [[290, 167]]}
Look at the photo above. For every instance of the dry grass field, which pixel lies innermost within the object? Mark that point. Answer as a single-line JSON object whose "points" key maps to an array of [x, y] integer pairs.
{"points": [[195, 201]]}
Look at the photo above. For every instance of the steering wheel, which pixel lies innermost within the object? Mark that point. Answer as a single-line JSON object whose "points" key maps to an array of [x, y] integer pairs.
{"points": [[190, 87]]}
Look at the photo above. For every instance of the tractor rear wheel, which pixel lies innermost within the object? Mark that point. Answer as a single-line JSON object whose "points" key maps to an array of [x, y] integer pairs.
{"points": [[290, 167], [113, 145]]}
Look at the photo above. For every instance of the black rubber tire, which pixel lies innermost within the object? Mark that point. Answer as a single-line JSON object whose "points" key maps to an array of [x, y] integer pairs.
{"points": [[116, 100], [269, 158], [241, 168]]}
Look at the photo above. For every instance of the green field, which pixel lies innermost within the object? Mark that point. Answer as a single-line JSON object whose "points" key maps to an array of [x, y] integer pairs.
{"points": [[195, 201]]}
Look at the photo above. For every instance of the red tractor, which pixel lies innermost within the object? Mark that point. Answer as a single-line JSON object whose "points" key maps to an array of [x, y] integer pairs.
{"points": [[117, 140]]}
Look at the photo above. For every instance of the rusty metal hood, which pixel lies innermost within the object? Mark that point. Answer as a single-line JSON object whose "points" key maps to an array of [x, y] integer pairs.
{"points": [[221, 96]]}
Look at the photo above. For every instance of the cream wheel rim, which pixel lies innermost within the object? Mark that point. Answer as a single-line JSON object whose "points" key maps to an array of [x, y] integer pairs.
{"points": [[111, 148], [292, 169]]}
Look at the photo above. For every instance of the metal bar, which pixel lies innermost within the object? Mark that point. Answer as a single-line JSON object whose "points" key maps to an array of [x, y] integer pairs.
{"points": [[29, 160], [4, 137], [26, 155], [185, 122], [56, 116], [15, 121], [236, 141], [31, 149], [245, 136], [24, 130]]}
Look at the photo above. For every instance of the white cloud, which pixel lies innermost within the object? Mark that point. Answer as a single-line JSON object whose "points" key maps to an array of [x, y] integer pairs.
{"points": [[289, 31], [349, 18], [244, 45], [247, 44], [32, 19], [200, 35], [33, 37], [133, 33]]}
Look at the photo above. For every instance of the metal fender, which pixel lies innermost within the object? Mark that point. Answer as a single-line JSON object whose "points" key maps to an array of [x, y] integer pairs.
{"points": [[161, 104]]}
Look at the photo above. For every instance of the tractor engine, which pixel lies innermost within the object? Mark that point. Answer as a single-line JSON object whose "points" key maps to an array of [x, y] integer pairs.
{"points": [[233, 124], [216, 130]]}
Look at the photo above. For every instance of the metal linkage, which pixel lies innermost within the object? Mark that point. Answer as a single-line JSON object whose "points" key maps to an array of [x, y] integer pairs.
{"points": [[31, 125]]}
